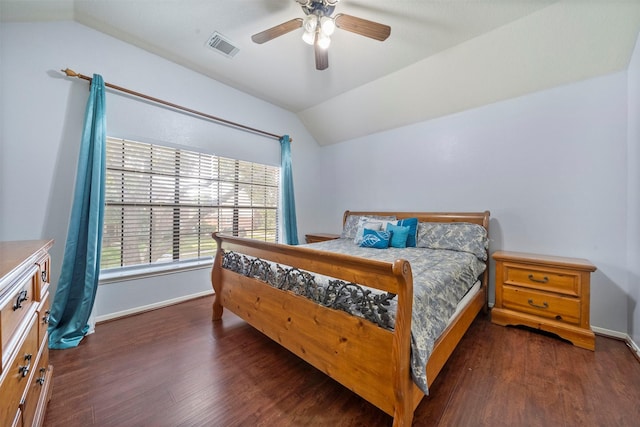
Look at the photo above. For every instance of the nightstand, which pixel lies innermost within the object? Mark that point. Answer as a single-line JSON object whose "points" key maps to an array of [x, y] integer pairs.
{"points": [[320, 237], [544, 292]]}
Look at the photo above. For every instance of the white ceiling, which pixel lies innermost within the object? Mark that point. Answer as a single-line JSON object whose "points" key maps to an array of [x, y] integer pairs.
{"points": [[443, 56]]}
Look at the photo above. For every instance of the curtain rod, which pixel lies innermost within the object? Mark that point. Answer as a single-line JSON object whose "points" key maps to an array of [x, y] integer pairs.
{"points": [[71, 73]]}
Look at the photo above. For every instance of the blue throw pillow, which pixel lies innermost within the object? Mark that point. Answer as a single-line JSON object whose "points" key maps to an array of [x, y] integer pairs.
{"points": [[399, 235], [412, 223], [375, 239]]}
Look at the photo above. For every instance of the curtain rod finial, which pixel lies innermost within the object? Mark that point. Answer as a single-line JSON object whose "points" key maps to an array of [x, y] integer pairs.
{"points": [[69, 72]]}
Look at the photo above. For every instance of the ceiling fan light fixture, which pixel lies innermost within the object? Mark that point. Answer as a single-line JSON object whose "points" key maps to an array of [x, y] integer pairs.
{"points": [[310, 23], [308, 37], [323, 40], [318, 26], [327, 25]]}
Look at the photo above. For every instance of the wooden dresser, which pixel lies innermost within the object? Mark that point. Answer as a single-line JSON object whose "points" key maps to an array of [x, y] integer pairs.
{"points": [[25, 373], [544, 292]]}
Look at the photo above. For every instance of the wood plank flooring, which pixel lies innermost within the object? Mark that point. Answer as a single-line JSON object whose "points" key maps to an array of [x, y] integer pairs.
{"points": [[174, 367]]}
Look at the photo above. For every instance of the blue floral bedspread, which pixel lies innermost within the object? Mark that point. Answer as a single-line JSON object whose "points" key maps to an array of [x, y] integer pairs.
{"points": [[440, 279]]}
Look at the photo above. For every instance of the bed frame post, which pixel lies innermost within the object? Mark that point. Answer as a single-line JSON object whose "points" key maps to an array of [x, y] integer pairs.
{"points": [[485, 275], [216, 280], [401, 350]]}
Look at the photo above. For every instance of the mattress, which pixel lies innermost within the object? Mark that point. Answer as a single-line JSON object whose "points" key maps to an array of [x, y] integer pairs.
{"points": [[465, 301]]}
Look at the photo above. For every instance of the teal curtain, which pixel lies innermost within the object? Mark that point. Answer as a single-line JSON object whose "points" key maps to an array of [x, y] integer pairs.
{"points": [[288, 200], [78, 283]]}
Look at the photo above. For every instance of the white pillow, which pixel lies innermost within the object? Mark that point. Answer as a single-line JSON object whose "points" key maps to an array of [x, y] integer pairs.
{"points": [[351, 224], [366, 223], [371, 224]]}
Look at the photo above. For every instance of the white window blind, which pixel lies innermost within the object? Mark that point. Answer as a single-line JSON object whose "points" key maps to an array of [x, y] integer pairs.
{"points": [[162, 204]]}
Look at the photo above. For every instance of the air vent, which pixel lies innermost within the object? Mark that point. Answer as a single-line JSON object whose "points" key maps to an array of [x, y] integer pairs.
{"points": [[222, 45]]}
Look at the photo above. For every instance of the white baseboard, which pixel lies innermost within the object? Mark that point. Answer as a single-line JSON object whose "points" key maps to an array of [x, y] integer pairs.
{"points": [[634, 347], [618, 335], [149, 307], [610, 333]]}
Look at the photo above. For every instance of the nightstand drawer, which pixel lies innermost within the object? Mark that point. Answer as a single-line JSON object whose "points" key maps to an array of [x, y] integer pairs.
{"points": [[557, 281], [541, 304]]}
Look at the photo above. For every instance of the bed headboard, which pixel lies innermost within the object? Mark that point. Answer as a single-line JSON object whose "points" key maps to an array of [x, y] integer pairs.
{"points": [[481, 218]]}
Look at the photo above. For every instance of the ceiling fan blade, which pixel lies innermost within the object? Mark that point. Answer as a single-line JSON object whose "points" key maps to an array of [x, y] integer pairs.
{"points": [[363, 27], [322, 57], [277, 31]]}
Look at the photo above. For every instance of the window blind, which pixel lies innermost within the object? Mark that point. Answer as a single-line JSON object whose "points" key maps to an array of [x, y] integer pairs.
{"points": [[162, 203]]}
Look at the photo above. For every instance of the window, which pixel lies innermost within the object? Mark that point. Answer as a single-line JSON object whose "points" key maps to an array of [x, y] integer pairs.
{"points": [[162, 204]]}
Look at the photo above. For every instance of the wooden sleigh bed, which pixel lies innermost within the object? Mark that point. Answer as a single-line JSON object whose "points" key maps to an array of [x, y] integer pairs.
{"points": [[372, 361]]}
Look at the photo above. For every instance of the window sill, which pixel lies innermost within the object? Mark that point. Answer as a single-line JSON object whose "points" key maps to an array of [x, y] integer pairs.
{"points": [[133, 273]]}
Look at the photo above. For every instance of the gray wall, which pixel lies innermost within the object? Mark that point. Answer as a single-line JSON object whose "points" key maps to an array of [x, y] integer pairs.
{"points": [[551, 167]]}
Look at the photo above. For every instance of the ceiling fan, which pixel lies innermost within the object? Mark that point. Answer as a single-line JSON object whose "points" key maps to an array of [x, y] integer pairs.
{"points": [[319, 25]]}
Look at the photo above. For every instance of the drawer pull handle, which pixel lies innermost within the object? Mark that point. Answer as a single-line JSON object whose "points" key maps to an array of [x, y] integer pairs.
{"points": [[44, 275], [24, 370], [545, 279], [41, 378], [22, 297], [544, 305], [45, 318]]}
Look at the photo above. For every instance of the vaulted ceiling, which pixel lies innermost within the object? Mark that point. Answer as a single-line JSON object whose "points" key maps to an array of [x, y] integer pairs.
{"points": [[442, 57]]}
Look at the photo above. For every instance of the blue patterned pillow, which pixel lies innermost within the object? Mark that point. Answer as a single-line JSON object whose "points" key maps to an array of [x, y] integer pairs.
{"points": [[375, 239], [455, 236], [399, 235], [412, 223]]}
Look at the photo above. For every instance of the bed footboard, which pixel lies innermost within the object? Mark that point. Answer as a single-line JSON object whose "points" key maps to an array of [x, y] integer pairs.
{"points": [[371, 361]]}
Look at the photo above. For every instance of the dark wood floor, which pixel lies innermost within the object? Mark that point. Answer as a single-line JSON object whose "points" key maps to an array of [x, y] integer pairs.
{"points": [[174, 367]]}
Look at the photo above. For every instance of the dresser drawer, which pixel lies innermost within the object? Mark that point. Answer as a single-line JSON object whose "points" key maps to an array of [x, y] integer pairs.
{"points": [[38, 385], [17, 421], [44, 267], [44, 311], [15, 379], [541, 304], [16, 307], [552, 280]]}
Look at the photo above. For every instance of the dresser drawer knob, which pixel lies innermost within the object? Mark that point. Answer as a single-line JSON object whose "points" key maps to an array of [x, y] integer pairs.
{"points": [[545, 279], [44, 275], [22, 297], [544, 305], [46, 317], [24, 370], [41, 378]]}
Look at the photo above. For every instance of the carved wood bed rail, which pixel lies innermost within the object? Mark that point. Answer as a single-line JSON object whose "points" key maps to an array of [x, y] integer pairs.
{"points": [[371, 361]]}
